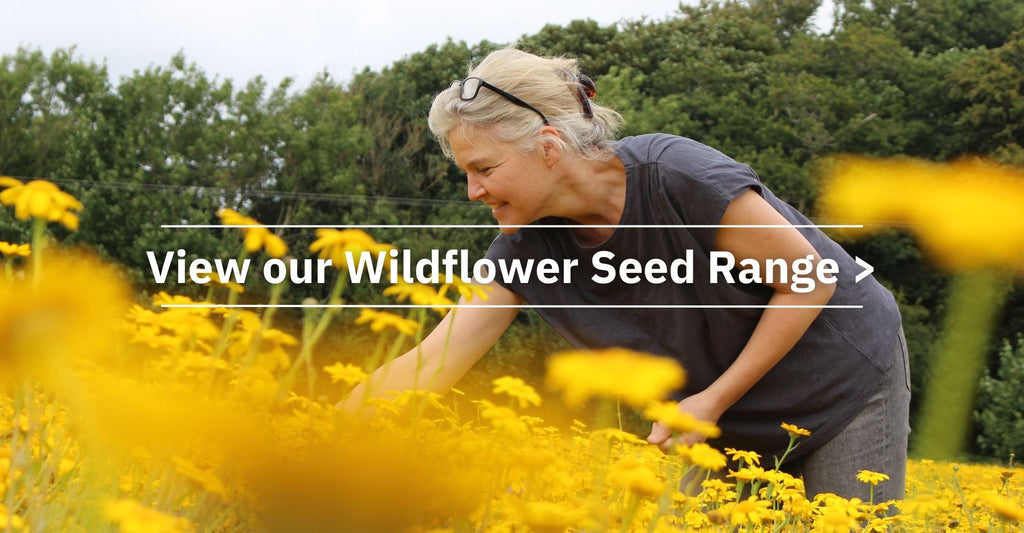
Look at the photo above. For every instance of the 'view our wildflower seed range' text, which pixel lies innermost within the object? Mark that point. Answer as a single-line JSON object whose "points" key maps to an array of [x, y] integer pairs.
{"points": [[801, 274]]}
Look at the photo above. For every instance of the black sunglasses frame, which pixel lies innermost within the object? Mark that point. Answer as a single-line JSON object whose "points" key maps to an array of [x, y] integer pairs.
{"points": [[474, 89]]}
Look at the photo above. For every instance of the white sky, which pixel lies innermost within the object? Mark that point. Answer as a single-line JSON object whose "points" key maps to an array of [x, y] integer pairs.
{"points": [[298, 38]]}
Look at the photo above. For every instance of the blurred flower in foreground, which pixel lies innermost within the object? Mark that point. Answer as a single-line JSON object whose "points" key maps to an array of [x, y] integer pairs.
{"points": [[40, 199], [630, 473], [967, 213], [703, 455], [638, 378], [668, 413], [368, 481], [69, 312], [1003, 507], [544, 516], [256, 236], [131, 515]]}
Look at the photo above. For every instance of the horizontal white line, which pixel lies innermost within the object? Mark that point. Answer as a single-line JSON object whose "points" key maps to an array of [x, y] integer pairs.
{"points": [[523, 306], [493, 226]]}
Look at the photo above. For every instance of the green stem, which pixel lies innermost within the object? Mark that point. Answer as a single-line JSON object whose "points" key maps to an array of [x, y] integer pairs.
{"points": [[781, 460], [38, 246], [306, 352], [268, 320], [975, 298], [444, 351], [230, 318], [633, 506], [963, 499]]}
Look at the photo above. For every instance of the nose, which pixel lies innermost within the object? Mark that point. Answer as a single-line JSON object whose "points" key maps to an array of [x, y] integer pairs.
{"points": [[474, 190]]}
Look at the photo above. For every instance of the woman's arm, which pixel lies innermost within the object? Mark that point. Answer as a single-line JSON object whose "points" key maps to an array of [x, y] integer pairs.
{"points": [[777, 331], [432, 367]]}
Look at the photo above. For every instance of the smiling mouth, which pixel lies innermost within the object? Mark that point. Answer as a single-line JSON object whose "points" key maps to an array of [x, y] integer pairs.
{"points": [[497, 207]]}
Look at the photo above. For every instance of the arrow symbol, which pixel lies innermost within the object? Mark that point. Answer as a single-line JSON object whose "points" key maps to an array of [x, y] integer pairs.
{"points": [[868, 269]]}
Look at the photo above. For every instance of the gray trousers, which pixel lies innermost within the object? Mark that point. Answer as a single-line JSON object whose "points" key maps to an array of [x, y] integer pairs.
{"points": [[875, 440]]}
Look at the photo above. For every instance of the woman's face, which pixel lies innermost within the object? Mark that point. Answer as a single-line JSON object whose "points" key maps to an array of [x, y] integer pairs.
{"points": [[517, 186]]}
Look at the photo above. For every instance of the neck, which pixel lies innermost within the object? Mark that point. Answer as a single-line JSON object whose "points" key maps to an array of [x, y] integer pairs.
{"points": [[595, 194]]}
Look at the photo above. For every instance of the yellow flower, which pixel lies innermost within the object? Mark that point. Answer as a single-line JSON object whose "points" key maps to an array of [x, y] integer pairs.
{"points": [[205, 478], [350, 374], [871, 478], [716, 490], [40, 199], [270, 345], [795, 431], [420, 294], [638, 378], [517, 389], [668, 413], [230, 285], [256, 237], [379, 320], [748, 458], [1002, 507], [631, 474], [835, 520], [967, 213], [468, 291], [544, 516], [133, 517], [748, 474], [68, 314], [750, 511], [704, 456], [502, 418], [15, 250], [333, 244], [922, 505]]}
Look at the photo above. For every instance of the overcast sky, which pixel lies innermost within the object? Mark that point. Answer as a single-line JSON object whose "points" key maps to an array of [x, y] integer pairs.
{"points": [[297, 38]]}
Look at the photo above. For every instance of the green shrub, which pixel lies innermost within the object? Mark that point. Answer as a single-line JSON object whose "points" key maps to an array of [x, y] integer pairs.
{"points": [[1000, 414]]}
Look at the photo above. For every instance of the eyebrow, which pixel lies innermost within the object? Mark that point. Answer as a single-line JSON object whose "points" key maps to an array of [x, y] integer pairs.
{"points": [[475, 163]]}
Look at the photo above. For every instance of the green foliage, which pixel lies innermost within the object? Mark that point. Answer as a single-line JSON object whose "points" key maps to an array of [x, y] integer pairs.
{"points": [[1000, 406]]}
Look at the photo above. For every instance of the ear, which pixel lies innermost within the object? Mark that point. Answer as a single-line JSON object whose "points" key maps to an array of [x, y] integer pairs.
{"points": [[552, 150]]}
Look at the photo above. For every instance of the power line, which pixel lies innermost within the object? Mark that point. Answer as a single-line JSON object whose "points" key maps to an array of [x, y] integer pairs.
{"points": [[254, 193], [329, 197]]}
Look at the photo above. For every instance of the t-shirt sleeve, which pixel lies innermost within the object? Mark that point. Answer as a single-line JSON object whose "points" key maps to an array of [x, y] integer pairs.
{"points": [[501, 249], [700, 182]]}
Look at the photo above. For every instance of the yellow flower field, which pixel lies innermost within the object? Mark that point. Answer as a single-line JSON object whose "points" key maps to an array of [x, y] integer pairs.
{"points": [[121, 416]]}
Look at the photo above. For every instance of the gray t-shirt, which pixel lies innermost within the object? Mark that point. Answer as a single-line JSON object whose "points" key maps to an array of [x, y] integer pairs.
{"points": [[819, 385]]}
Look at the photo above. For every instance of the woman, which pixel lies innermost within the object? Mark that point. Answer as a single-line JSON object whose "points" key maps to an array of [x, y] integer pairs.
{"points": [[537, 150]]}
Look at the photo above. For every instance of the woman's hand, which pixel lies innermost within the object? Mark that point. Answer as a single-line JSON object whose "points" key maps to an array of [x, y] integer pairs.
{"points": [[748, 232], [702, 407]]}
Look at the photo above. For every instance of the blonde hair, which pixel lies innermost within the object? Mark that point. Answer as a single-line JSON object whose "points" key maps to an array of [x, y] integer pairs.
{"points": [[549, 84]]}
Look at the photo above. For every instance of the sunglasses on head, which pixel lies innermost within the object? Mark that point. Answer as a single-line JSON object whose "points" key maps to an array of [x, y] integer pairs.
{"points": [[586, 89], [470, 87]]}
